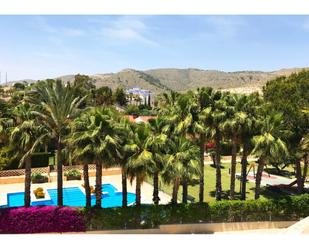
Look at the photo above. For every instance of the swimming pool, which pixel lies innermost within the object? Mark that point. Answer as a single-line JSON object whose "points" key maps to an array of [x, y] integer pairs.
{"points": [[74, 197]]}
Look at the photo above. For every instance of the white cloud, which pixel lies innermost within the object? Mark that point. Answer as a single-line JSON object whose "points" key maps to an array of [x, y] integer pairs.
{"points": [[228, 26], [126, 29], [44, 26]]}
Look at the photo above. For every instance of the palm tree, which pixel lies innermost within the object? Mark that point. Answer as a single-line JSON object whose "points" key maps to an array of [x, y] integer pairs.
{"points": [[96, 140], [157, 142], [268, 144], [26, 135], [125, 131], [202, 99], [232, 127], [56, 106], [250, 106], [213, 117], [141, 162], [181, 165], [82, 150], [167, 100]]}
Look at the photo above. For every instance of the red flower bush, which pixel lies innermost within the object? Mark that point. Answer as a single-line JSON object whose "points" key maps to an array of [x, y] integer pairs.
{"points": [[41, 220]]}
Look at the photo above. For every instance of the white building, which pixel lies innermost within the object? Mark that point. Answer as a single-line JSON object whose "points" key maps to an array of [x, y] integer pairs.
{"points": [[139, 96]]}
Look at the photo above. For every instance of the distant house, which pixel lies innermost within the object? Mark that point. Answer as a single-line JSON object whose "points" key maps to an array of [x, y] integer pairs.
{"points": [[139, 96]]}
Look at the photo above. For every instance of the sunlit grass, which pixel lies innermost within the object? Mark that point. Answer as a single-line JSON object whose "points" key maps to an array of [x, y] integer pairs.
{"points": [[210, 182]]}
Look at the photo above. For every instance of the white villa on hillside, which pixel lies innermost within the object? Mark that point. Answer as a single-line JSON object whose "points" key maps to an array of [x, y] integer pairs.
{"points": [[139, 96]]}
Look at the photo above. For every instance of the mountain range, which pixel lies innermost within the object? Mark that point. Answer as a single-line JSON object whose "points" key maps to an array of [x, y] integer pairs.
{"points": [[163, 79]]}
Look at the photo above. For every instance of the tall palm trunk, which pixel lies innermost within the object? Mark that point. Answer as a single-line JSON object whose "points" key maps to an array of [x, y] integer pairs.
{"points": [[124, 187], [184, 191], [175, 191], [233, 166], [259, 177], [138, 191], [156, 197], [298, 177], [202, 151], [59, 174], [98, 185], [218, 165], [87, 185], [27, 181], [304, 171], [244, 163]]}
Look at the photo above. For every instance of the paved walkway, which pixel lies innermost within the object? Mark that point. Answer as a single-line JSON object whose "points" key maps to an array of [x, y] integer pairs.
{"points": [[301, 227]]}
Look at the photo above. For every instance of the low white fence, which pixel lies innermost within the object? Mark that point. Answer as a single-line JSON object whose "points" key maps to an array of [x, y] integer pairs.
{"points": [[45, 170]]}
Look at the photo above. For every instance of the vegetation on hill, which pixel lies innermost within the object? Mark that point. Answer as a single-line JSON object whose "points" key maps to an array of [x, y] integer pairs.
{"points": [[164, 79]]}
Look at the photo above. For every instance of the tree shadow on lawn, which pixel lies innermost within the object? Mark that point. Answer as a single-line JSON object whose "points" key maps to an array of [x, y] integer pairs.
{"points": [[213, 166], [272, 194], [283, 172], [266, 193], [225, 194]]}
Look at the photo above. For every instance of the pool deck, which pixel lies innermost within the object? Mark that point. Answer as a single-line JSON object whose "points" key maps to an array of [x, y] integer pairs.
{"points": [[115, 180]]}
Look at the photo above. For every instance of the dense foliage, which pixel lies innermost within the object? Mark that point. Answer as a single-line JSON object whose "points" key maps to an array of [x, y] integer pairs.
{"points": [[150, 216]]}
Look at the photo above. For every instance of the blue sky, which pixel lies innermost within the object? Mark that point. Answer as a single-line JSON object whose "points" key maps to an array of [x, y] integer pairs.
{"points": [[38, 47]]}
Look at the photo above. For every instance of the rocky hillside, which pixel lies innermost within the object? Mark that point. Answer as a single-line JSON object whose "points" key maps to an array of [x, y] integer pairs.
{"points": [[160, 80]]}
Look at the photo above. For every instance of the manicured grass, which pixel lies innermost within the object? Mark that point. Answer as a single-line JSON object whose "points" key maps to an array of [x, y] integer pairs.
{"points": [[210, 183]]}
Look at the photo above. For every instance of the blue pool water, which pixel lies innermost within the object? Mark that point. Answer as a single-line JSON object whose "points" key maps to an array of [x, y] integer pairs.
{"points": [[74, 197]]}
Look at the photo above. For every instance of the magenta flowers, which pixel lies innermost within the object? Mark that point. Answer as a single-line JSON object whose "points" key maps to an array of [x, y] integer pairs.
{"points": [[41, 220]]}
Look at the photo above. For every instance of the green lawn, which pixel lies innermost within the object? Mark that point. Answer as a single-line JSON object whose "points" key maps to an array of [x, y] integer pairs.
{"points": [[210, 181]]}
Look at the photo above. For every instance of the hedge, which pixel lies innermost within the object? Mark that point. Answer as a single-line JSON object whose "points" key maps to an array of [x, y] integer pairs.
{"points": [[65, 219], [41, 220], [150, 216]]}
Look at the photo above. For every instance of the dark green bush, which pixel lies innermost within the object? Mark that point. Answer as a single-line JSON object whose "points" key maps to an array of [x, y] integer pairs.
{"points": [[40, 159], [38, 178], [73, 175], [151, 216]]}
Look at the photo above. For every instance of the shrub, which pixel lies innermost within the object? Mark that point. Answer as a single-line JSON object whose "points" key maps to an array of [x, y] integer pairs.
{"points": [[39, 193], [73, 175], [41, 220], [38, 178], [151, 216], [41, 159]]}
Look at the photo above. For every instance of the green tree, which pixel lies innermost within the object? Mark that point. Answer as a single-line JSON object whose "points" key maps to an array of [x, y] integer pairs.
{"points": [[19, 86], [55, 106], [213, 117], [157, 142], [268, 144], [125, 131], [120, 96], [27, 135], [250, 106], [104, 96], [96, 140], [181, 165], [236, 119], [141, 162], [289, 95], [203, 98]]}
